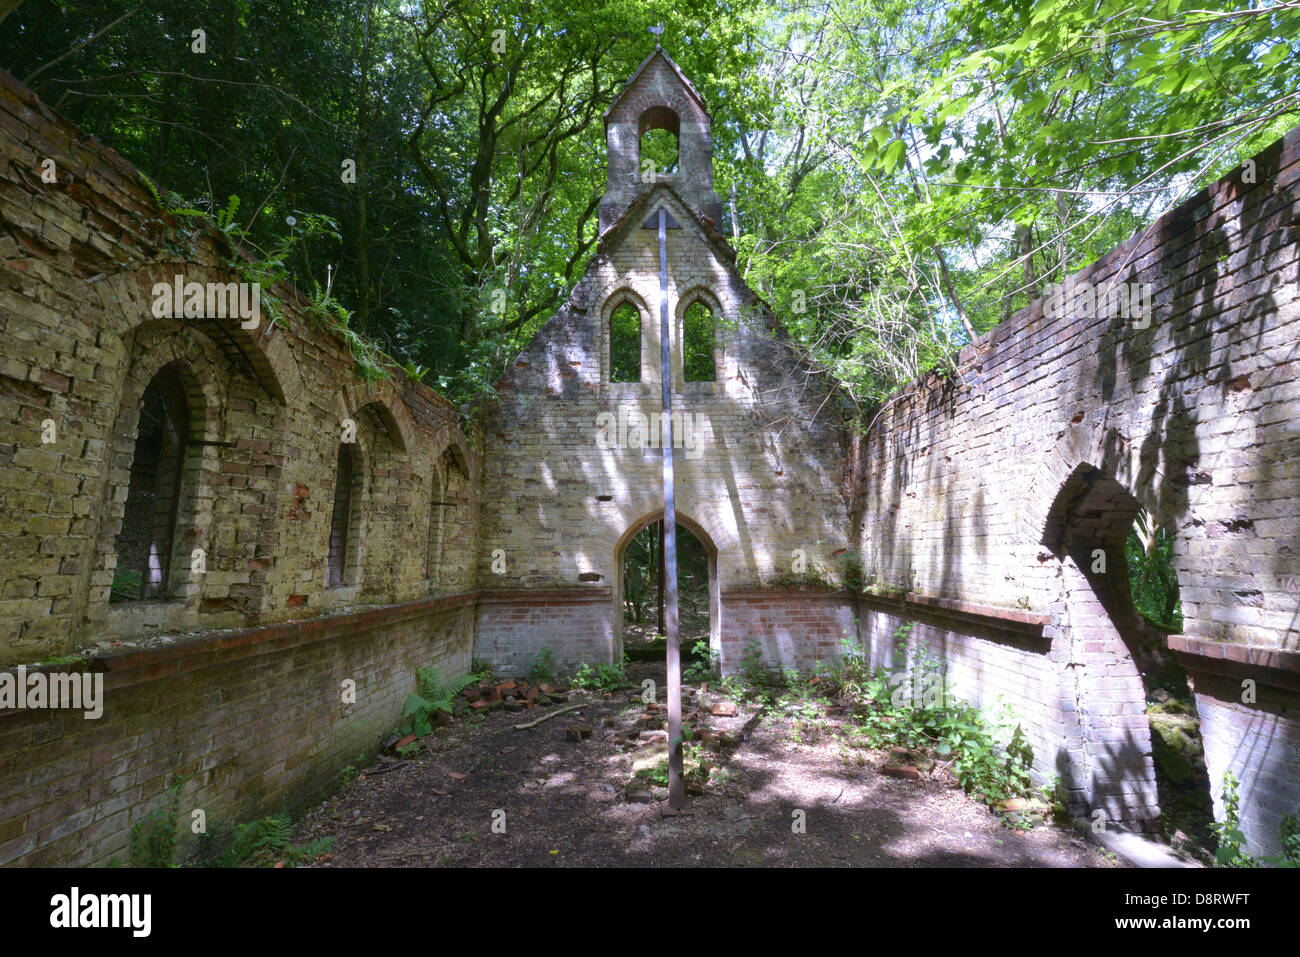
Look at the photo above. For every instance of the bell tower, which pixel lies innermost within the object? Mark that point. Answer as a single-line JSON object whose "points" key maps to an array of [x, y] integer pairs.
{"points": [[658, 97]]}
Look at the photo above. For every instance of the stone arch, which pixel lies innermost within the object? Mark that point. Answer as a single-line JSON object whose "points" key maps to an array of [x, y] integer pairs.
{"points": [[201, 373], [696, 528], [1105, 762], [659, 117], [1097, 446], [460, 454], [382, 396], [382, 492], [263, 353]]}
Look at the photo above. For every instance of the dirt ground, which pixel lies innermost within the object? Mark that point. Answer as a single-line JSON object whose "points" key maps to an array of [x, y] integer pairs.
{"points": [[557, 802]]}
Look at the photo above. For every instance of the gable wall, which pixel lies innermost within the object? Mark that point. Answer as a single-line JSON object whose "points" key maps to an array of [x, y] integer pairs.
{"points": [[767, 478]]}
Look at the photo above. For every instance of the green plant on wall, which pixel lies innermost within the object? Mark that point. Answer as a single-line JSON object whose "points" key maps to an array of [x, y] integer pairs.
{"points": [[1232, 840], [1152, 579], [153, 839]]}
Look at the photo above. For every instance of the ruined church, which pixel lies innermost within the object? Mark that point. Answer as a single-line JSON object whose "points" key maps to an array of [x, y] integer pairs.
{"points": [[234, 525]]}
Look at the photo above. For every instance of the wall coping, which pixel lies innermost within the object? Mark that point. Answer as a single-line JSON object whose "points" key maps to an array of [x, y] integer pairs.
{"points": [[791, 591], [1016, 620], [529, 595], [132, 666], [1273, 659]]}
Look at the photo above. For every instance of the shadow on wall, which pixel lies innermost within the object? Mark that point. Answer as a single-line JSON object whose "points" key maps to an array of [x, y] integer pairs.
{"points": [[1168, 417]]}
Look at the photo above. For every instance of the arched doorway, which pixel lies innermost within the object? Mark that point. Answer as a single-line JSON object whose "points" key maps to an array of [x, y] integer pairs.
{"points": [[1106, 761], [637, 621]]}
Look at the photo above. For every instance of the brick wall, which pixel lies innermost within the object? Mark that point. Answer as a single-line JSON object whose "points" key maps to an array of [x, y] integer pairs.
{"points": [[793, 628], [255, 721], [79, 259], [1000, 485], [249, 710]]}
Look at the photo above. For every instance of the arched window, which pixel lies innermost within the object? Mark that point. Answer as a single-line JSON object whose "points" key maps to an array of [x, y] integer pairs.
{"points": [[437, 519], [659, 130], [146, 542], [343, 519], [625, 344], [698, 343]]}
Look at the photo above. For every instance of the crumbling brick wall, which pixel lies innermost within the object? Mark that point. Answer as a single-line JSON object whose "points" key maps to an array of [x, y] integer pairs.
{"points": [[256, 716], [998, 488], [267, 406]]}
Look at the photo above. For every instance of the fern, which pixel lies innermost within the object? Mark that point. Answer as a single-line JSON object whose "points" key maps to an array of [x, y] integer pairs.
{"points": [[441, 692], [263, 843], [436, 694]]}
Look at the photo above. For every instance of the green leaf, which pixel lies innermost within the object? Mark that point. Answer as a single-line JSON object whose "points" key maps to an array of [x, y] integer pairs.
{"points": [[893, 156]]}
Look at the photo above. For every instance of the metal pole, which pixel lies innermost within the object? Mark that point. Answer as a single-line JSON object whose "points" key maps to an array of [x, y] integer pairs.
{"points": [[676, 787], [659, 577]]}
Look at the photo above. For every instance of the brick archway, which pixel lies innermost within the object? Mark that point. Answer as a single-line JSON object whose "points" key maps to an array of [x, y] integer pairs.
{"points": [[715, 592], [1105, 759]]}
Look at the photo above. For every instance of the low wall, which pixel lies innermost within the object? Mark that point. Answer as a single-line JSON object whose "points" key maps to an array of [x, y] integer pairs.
{"points": [[254, 720]]}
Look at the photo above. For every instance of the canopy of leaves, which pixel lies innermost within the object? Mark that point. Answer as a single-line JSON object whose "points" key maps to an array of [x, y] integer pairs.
{"points": [[901, 174]]}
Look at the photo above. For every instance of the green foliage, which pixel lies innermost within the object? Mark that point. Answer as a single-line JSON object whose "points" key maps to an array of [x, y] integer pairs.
{"points": [[127, 585], [625, 344], [1152, 579], [543, 668], [436, 695], [813, 577], [329, 314], [913, 171], [704, 666], [257, 844], [697, 768], [153, 840], [600, 677], [266, 842], [1289, 836], [753, 671], [660, 148], [698, 343], [852, 574], [915, 711], [1232, 842]]}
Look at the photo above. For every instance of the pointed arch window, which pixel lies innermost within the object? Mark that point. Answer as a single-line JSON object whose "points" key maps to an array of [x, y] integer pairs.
{"points": [[344, 533], [625, 344], [699, 342], [437, 523]]}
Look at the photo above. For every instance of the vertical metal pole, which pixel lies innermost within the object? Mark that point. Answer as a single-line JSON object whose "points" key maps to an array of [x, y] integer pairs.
{"points": [[676, 787], [659, 578]]}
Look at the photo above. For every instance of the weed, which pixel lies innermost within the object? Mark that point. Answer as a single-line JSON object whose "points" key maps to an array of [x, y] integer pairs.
{"points": [[1232, 842], [153, 840], [706, 665], [436, 694], [266, 842], [543, 669], [600, 677]]}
